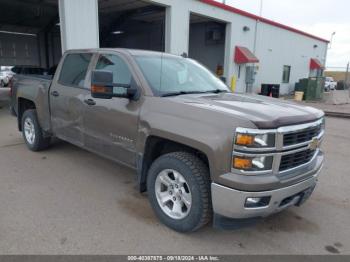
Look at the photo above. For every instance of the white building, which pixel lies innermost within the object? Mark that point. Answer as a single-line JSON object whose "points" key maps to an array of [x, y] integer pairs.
{"points": [[227, 40]]}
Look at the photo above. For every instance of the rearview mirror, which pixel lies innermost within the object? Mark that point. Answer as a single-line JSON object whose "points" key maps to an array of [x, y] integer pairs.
{"points": [[102, 86]]}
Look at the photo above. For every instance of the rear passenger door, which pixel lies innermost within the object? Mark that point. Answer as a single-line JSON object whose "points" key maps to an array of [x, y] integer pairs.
{"points": [[67, 98]]}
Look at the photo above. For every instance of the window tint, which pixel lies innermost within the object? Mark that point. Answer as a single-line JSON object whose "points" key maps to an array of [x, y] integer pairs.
{"points": [[286, 74], [74, 69], [113, 63]]}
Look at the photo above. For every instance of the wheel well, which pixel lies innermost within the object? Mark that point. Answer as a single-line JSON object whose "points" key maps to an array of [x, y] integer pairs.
{"points": [[23, 105], [156, 147]]}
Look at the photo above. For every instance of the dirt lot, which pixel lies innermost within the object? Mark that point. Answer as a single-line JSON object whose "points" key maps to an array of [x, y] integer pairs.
{"points": [[68, 201]]}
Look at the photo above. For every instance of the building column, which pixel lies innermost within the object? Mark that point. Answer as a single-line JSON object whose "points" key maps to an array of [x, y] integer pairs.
{"points": [[229, 53], [79, 24], [177, 29]]}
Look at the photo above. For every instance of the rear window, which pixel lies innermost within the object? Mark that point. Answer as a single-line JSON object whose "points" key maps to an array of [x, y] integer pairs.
{"points": [[74, 69]]}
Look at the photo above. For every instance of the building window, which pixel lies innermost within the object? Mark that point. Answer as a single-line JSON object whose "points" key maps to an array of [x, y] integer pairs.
{"points": [[286, 74]]}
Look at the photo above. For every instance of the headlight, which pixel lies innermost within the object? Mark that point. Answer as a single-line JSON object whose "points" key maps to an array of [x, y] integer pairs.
{"points": [[266, 140], [261, 163]]}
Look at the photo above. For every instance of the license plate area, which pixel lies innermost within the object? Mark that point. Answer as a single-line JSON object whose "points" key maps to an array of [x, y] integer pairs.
{"points": [[297, 199]]}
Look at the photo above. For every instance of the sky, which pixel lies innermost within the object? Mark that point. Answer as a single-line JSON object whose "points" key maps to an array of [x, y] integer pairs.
{"points": [[317, 17]]}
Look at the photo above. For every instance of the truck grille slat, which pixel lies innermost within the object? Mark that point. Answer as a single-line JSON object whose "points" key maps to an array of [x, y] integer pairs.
{"points": [[296, 159], [301, 136]]}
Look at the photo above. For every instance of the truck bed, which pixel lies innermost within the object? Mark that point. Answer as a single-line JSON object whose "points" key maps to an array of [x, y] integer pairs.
{"points": [[33, 88]]}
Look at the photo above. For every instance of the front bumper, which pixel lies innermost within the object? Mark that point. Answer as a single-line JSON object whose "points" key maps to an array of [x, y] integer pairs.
{"points": [[230, 203]]}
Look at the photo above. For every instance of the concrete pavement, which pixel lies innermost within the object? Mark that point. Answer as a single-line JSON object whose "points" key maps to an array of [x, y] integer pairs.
{"points": [[68, 201]]}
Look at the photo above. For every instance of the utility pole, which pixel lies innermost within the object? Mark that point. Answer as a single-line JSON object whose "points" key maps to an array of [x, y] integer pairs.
{"points": [[331, 41], [261, 7]]}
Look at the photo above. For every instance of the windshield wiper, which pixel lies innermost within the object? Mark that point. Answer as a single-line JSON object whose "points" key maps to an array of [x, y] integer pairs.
{"points": [[181, 93], [177, 93], [217, 91]]}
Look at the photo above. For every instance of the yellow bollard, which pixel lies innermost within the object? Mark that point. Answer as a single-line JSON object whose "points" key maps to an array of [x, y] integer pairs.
{"points": [[233, 83]]}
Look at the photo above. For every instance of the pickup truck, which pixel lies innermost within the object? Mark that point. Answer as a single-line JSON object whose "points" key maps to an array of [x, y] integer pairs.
{"points": [[201, 152]]}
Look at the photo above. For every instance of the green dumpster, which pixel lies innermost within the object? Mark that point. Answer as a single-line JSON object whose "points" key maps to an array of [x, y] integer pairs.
{"points": [[312, 87]]}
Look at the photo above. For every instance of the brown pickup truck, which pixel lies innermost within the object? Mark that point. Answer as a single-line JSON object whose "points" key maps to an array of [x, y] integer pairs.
{"points": [[201, 152]]}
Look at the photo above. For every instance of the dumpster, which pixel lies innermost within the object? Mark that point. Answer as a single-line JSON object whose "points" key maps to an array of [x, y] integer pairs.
{"points": [[270, 90], [312, 87]]}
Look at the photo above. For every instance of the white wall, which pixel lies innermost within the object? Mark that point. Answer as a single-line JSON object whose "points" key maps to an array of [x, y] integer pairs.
{"points": [[277, 47], [79, 24]]}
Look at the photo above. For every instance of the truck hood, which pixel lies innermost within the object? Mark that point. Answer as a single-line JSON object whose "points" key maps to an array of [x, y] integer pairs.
{"points": [[264, 112]]}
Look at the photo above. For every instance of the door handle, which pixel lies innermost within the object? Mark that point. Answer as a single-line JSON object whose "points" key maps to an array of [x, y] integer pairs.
{"points": [[55, 93], [90, 102]]}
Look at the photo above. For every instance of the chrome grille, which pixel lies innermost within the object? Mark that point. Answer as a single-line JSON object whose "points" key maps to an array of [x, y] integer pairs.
{"points": [[296, 159], [302, 136]]}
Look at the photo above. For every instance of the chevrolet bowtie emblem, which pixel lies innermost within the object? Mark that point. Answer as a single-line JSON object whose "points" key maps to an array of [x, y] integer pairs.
{"points": [[314, 143]]}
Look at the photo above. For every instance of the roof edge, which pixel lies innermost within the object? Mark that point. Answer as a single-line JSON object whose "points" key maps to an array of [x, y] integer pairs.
{"points": [[261, 19]]}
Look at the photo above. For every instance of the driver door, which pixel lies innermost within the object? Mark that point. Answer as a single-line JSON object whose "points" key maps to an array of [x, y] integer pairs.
{"points": [[111, 125]]}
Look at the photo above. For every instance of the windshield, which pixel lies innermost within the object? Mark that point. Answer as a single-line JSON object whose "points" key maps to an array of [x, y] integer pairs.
{"points": [[168, 75]]}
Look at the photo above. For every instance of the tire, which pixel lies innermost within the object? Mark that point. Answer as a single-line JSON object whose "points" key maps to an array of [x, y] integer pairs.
{"points": [[193, 184], [32, 132]]}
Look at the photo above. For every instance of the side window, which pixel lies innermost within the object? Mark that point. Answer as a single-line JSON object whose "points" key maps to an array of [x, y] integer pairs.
{"points": [[74, 69], [286, 74], [113, 63]]}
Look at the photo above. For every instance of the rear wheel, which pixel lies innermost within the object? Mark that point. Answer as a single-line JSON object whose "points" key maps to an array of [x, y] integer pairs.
{"points": [[32, 132], [179, 191]]}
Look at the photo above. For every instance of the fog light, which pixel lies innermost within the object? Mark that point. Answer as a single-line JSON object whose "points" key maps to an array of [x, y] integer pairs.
{"points": [[254, 202]]}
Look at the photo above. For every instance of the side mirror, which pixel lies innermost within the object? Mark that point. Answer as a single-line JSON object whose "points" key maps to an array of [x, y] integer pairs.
{"points": [[102, 86]]}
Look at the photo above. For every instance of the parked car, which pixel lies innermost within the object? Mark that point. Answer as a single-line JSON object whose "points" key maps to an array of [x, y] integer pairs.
{"points": [[342, 86], [199, 150], [330, 84], [4, 79]]}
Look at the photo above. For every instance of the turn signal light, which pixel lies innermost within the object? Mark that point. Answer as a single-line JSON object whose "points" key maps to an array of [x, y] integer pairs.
{"points": [[244, 140], [98, 89], [242, 163]]}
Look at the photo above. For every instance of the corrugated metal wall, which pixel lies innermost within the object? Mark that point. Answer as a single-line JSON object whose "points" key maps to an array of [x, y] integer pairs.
{"points": [[19, 50]]}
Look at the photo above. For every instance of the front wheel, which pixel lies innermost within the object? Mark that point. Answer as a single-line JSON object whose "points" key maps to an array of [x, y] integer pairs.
{"points": [[32, 132], [179, 191]]}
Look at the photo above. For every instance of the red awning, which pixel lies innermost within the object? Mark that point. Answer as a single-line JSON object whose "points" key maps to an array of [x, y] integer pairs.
{"points": [[244, 56], [315, 64]]}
